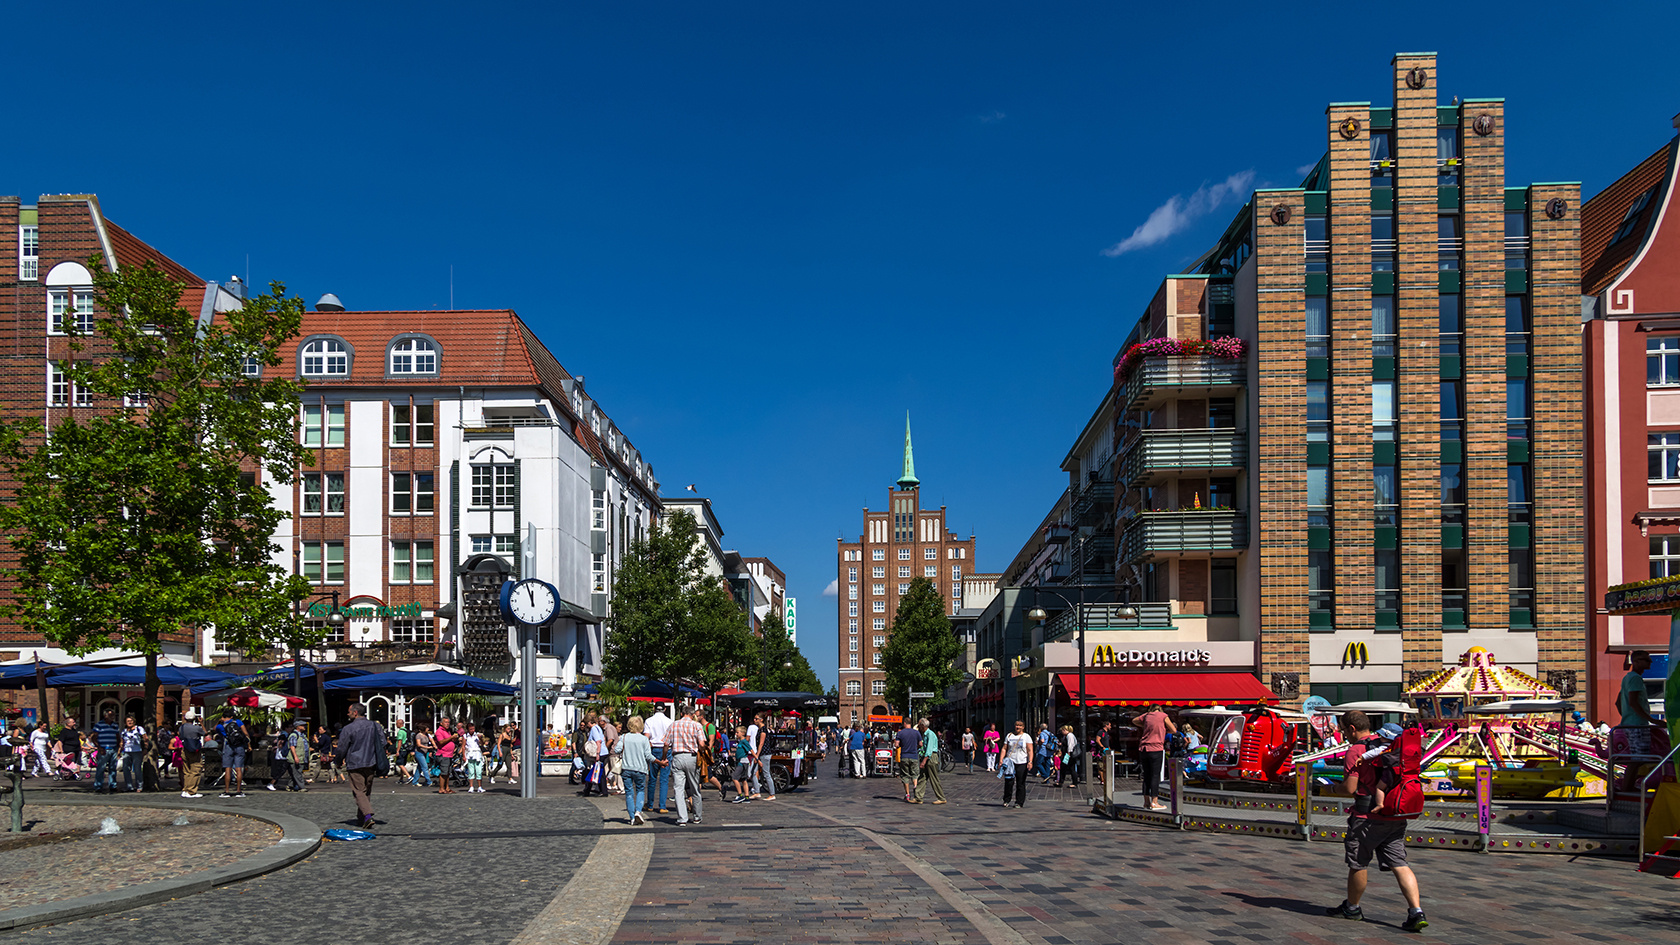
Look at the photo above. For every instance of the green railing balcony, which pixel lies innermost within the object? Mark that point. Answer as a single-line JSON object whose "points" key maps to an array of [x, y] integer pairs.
{"points": [[1181, 452], [1166, 534], [1157, 379]]}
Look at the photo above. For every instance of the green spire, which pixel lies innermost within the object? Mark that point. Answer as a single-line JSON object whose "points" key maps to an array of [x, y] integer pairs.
{"points": [[908, 480]]}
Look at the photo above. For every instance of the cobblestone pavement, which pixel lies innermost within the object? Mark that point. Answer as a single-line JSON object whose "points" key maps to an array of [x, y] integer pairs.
{"points": [[61, 858]]}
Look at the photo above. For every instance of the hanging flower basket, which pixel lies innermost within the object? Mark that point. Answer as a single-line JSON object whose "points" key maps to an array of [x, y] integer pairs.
{"points": [[1229, 348]]}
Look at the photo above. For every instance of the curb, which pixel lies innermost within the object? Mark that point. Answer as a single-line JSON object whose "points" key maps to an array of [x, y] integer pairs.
{"points": [[298, 838]]}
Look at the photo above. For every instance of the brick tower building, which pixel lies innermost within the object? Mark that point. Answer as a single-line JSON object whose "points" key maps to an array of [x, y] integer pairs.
{"points": [[897, 545]]}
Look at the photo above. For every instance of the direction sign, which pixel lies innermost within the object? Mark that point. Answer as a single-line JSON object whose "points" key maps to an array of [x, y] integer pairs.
{"points": [[921, 695]]}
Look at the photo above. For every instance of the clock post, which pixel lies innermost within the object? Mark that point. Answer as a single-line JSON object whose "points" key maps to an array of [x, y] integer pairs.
{"points": [[529, 605]]}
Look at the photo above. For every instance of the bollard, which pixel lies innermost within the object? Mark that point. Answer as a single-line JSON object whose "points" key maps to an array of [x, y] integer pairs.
{"points": [[1108, 783], [14, 795], [1484, 803], [1177, 768], [1303, 799]]}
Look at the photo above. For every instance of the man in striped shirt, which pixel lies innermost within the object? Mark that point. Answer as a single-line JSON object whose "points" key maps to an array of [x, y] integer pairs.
{"points": [[685, 738]]}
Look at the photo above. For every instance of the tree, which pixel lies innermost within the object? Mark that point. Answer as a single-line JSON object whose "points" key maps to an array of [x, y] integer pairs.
{"points": [[773, 649], [920, 651], [146, 515], [670, 619]]}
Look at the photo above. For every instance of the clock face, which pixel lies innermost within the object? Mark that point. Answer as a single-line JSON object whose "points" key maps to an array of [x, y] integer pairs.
{"points": [[533, 602]]}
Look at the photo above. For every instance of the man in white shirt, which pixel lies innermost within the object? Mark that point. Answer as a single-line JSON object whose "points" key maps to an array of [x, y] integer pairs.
{"points": [[656, 728], [1017, 754]]}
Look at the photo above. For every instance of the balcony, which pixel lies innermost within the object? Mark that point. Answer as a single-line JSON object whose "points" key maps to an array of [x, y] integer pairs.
{"points": [[1093, 503], [1157, 379], [1150, 616], [1182, 452], [1168, 534]]}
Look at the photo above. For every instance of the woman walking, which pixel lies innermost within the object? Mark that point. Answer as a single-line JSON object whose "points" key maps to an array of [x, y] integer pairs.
{"points": [[473, 745], [423, 749], [635, 754], [992, 741]]}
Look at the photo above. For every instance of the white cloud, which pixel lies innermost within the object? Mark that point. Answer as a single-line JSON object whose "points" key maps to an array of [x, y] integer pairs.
{"points": [[1178, 213], [993, 117], [833, 588]]}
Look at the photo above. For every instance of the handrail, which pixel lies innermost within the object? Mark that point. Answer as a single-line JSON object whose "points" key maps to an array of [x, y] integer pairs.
{"points": [[1644, 785]]}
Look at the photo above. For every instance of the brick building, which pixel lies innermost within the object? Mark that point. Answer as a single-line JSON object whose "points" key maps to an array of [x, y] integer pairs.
{"points": [[1390, 472], [1630, 286], [898, 544]]}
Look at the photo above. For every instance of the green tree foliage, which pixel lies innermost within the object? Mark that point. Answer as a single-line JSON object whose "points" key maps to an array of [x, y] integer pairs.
{"points": [[773, 650], [919, 654], [139, 517], [670, 620]]}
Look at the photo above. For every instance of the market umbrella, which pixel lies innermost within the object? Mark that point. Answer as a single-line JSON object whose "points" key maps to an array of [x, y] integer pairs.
{"points": [[423, 681], [119, 676]]}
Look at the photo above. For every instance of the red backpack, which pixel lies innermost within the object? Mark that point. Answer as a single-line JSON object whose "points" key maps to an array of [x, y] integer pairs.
{"points": [[1405, 799]]}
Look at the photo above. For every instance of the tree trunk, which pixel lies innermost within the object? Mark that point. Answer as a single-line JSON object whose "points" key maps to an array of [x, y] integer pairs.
{"points": [[152, 687]]}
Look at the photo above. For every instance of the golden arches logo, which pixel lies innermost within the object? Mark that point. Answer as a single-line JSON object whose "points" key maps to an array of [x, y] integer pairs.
{"points": [[1356, 654]]}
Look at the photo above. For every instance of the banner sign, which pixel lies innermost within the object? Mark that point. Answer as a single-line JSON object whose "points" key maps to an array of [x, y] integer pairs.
{"points": [[1105, 655], [1484, 801], [1303, 794], [319, 611]]}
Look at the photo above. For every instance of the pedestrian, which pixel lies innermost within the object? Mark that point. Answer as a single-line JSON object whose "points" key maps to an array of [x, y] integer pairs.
{"points": [[107, 738], [500, 758], [686, 737], [859, 746], [423, 749], [70, 749], [635, 755], [909, 759], [743, 766], [360, 749], [473, 748], [758, 738], [992, 742], [614, 764], [235, 740], [659, 784], [929, 769], [1017, 757], [1152, 752], [514, 751], [968, 747], [1371, 833], [191, 735], [1100, 749], [1046, 749], [40, 744], [448, 744], [133, 755]]}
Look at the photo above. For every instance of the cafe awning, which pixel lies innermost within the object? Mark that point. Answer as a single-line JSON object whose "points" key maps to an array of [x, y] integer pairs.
{"points": [[1186, 689]]}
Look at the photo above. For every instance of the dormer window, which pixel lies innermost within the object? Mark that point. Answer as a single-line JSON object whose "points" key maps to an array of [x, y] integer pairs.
{"points": [[414, 356], [324, 357]]}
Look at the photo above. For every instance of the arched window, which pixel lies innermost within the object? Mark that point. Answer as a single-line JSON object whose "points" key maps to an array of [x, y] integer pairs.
{"points": [[324, 357], [414, 356]]}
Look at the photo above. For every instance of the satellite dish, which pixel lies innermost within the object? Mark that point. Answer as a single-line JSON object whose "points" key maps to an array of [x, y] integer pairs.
{"points": [[329, 303]]}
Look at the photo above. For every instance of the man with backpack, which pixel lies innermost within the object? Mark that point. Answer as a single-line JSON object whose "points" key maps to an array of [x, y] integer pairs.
{"points": [[235, 740], [1373, 828]]}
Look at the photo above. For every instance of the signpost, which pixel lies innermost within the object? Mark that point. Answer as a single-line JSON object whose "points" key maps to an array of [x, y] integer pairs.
{"points": [[921, 695], [1303, 798], [1484, 803]]}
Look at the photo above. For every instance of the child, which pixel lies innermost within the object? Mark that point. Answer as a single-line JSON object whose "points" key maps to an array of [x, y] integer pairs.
{"points": [[739, 775], [1383, 762]]}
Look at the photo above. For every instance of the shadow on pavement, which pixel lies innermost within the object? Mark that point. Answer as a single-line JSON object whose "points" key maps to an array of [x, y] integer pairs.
{"points": [[1296, 906]]}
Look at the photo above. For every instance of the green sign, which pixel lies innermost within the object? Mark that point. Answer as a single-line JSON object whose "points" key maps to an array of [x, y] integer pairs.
{"points": [[368, 613]]}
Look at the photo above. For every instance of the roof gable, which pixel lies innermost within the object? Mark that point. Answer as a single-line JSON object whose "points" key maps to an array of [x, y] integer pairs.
{"points": [[1604, 258], [130, 250]]}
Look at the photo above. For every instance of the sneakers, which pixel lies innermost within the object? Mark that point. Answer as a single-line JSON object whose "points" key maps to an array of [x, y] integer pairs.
{"points": [[1345, 911], [1415, 922], [224, 794], [273, 788], [239, 794], [683, 823]]}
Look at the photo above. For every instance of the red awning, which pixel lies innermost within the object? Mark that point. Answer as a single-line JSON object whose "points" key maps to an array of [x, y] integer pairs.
{"points": [[1182, 689]]}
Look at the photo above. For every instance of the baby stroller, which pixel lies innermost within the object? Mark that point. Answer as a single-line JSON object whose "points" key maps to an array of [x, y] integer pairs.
{"points": [[883, 762]]}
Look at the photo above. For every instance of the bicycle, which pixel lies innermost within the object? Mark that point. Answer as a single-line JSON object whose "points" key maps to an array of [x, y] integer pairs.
{"points": [[947, 761]]}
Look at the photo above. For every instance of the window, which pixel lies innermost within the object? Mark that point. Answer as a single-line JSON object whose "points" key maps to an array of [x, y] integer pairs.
{"points": [[598, 573], [878, 641], [414, 356], [1386, 495], [1318, 326], [877, 589], [1630, 220], [1662, 360], [1518, 499], [1222, 493], [323, 562], [1446, 154], [854, 687], [1452, 410], [1222, 413], [1665, 556], [1516, 240], [1382, 326], [1321, 582], [879, 554], [325, 357], [1382, 158], [1382, 411], [930, 571], [904, 588], [250, 366], [1383, 243], [1387, 578], [878, 606], [413, 494], [852, 662], [1455, 587], [1318, 496], [878, 687], [878, 572], [904, 554], [1450, 242], [851, 609], [598, 511], [852, 625], [1454, 493], [1451, 325], [854, 555], [904, 571], [956, 592], [852, 644], [493, 486], [323, 425], [1318, 411], [323, 493], [58, 386], [412, 631], [851, 574], [851, 591], [1516, 408], [411, 426], [1516, 324], [1224, 587], [29, 253], [1315, 242], [875, 657], [504, 545], [325, 632], [956, 572], [1663, 456], [78, 302], [879, 623], [411, 562], [930, 554], [1522, 585]]}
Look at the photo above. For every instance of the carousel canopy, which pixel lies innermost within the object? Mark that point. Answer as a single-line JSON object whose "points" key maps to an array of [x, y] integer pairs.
{"points": [[1478, 679], [425, 681]]}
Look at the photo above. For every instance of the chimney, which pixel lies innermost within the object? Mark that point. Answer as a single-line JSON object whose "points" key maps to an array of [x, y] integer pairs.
{"points": [[329, 303], [235, 287]]}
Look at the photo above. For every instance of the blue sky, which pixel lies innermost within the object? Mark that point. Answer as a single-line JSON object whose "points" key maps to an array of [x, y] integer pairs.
{"points": [[765, 231]]}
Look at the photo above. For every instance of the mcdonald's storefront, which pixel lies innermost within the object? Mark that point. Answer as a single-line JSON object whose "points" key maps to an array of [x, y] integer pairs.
{"points": [[1122, 676], [1357, 666]]}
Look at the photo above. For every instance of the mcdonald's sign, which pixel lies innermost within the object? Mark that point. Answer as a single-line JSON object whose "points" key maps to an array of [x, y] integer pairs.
{"points": [[1356, 654]]}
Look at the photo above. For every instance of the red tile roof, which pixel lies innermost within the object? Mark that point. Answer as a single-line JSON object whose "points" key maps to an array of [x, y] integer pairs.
{"points": [[1601, 260], [479, 348], [131, 251]]}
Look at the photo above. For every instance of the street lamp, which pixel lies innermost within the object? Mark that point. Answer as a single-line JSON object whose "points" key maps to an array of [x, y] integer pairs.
{"points": [[334, 618], [1037, 614]]}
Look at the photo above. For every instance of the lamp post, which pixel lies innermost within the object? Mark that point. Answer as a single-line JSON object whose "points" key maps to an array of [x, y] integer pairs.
{"points": [[334, 618], [1037, 614]]}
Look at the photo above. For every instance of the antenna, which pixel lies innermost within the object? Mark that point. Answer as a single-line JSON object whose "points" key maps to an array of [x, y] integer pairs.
{"points": [[452, 287], [247, 271]]}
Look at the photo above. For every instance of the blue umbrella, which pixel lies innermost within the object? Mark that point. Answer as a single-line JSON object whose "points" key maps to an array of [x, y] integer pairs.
{"points": [[426, 681]]}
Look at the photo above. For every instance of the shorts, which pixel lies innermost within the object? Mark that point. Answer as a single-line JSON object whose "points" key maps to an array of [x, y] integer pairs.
{"points": [[1367, 836], [739, 772], [232, 757], [909, 770], [446, 767]]}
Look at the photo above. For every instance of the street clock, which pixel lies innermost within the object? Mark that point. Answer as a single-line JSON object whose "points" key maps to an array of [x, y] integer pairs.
{"points": [[530, 602]]}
